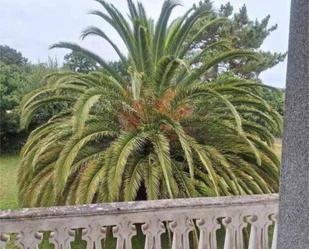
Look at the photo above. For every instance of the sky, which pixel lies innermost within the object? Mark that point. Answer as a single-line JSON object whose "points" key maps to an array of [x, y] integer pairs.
{"points": [[31, 26]]}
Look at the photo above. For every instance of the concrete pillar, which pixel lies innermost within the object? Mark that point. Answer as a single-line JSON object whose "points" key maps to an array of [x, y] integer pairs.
{"points": [[294, 191]]}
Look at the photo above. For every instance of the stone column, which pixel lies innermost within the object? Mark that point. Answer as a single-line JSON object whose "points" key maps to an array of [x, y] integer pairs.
{"points": [[294, 192]]}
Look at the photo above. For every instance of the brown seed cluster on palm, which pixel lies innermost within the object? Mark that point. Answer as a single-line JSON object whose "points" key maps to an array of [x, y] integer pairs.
{"points": [[163, 131]]}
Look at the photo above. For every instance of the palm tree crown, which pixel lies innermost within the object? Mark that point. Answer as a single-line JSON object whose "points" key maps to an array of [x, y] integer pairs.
{"points": [[164, 130]]}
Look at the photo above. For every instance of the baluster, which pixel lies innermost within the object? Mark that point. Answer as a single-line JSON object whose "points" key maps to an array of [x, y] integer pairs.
{"points": [[29, 239], [259, 231], [274, 218], [124, 232], [208, 237], [4, 238], [94, 234], [234, 226], [181, 227], [153, 229], [62, 237]]}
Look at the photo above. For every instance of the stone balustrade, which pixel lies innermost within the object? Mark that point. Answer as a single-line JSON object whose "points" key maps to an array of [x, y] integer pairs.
{"points": [[205, 223]]}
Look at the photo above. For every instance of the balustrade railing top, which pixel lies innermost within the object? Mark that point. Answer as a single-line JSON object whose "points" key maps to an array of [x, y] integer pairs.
{"points": [[185, 222]]}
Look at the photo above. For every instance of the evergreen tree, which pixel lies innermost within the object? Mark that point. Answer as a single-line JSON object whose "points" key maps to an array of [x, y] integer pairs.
{"points": [[78, 62], [239, 32], [11, 56], [17, 78]]}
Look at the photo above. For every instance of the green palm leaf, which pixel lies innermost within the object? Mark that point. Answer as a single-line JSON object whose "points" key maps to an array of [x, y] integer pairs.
{"points": [[170, 127]]}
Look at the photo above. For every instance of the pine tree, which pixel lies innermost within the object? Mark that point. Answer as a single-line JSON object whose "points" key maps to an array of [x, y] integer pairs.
{"points": [[239, 32]]}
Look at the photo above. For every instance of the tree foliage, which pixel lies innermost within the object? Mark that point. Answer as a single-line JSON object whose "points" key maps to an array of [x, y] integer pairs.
{"points": [[164, 130], [275, 98], [17, 78], [78, 62], [238, 32], [12, 80], [11, 56]]}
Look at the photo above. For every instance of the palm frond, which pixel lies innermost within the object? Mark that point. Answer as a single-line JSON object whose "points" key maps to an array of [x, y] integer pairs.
{"points": [[171, 126]]}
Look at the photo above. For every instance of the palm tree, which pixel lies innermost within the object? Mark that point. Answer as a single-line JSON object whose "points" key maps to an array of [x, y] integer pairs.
{"points": [[164, 130]]}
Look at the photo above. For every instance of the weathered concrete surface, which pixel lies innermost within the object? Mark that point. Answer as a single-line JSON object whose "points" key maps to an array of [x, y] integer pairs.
{"points": [[138, 207], [294, 192], [207, 215]]}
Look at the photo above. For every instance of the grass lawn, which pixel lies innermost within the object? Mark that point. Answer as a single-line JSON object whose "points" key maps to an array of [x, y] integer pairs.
{"points": [[8, 171]]}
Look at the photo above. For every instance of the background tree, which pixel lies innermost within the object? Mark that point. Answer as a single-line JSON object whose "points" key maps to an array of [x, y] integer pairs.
{"points": [[79, 62], [11, 56], [275, 98], [17, 78], [239, 32], [12, 83]]}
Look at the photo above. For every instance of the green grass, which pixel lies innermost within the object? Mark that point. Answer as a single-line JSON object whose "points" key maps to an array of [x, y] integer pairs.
{"points": [[8, 186]]}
